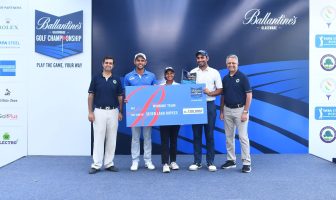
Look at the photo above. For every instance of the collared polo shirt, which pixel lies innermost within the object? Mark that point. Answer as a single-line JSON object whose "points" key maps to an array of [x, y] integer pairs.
{"points": [[235, 88], [134, 79], [210, 77], [106, 92], [174, 83]]}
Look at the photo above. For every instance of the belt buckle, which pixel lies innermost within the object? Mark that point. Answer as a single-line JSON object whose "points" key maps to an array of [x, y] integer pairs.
{"points": [[107, 108]]}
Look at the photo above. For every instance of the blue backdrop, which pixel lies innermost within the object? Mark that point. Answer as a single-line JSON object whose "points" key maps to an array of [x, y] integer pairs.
{"points": [[270, 38]]}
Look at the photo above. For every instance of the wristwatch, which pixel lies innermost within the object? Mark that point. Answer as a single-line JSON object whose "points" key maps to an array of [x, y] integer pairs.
{"points": [[245, 111]]}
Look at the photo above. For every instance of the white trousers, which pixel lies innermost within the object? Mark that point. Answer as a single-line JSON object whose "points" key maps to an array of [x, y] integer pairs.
{"points": [[105, 129], [135, 147]]}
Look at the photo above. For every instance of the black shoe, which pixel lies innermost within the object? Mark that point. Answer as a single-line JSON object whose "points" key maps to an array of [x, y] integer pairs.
{"points": [[93, 171], [229, 164], [246, 169], [112, 169]]}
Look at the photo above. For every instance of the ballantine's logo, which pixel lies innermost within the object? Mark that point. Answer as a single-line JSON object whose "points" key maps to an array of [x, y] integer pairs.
{"points": [[58, 37], [266, 22], [44, 23], [196, 92]]}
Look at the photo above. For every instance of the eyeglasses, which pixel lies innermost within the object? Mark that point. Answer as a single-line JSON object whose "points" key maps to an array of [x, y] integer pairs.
{"points": [[231, 63]]}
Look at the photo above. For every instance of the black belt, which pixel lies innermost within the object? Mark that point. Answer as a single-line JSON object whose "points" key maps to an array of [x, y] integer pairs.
{"points": [[234, 105], [106, 107]]}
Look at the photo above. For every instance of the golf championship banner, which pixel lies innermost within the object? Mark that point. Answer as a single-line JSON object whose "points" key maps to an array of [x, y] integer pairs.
{"points": [[159, 105], [60, 73], [45, 49]]}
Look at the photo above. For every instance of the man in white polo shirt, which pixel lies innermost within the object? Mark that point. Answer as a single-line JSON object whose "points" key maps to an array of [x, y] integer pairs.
{"points": [[213, 87]]}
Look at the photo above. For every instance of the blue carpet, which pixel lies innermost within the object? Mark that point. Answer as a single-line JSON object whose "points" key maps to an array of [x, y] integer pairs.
{"points": [[273, 176]]}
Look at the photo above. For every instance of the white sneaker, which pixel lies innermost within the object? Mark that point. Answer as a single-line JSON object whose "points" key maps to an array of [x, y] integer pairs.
{"points": [[149, 165], [135, 166], [174, 166], [165, 168], [195, 167], [212, 168]]}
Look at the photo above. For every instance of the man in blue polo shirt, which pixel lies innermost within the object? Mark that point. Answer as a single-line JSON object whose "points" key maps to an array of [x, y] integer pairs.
{"points": [[234, 110], [140, 76], [105, 97]]}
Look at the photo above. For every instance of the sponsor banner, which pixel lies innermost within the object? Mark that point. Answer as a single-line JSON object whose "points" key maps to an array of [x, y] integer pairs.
{"points": [[13, 117], [14, 35], [328, 87], [10, 43], [12, 95], [159, 105], [328, 62], [328, 15], [270, 29], [9, 26], [322, 80], [7, 68], [13, 69], [325, 41], [13, 46], [328, 134], [13, 143], [8, 139], [325, 113]]}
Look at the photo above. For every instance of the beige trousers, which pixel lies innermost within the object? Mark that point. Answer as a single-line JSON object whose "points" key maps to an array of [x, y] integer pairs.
{"points": [[232, 120]]}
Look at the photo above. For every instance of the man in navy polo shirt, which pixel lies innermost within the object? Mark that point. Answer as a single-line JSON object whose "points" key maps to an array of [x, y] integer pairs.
{"points": [[234, 110], [105, 97], [140, 76]]}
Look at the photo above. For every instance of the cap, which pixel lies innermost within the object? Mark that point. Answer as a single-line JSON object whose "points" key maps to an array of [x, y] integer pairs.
{"points": [[140, 55], [169, 69], [202, 52]]}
